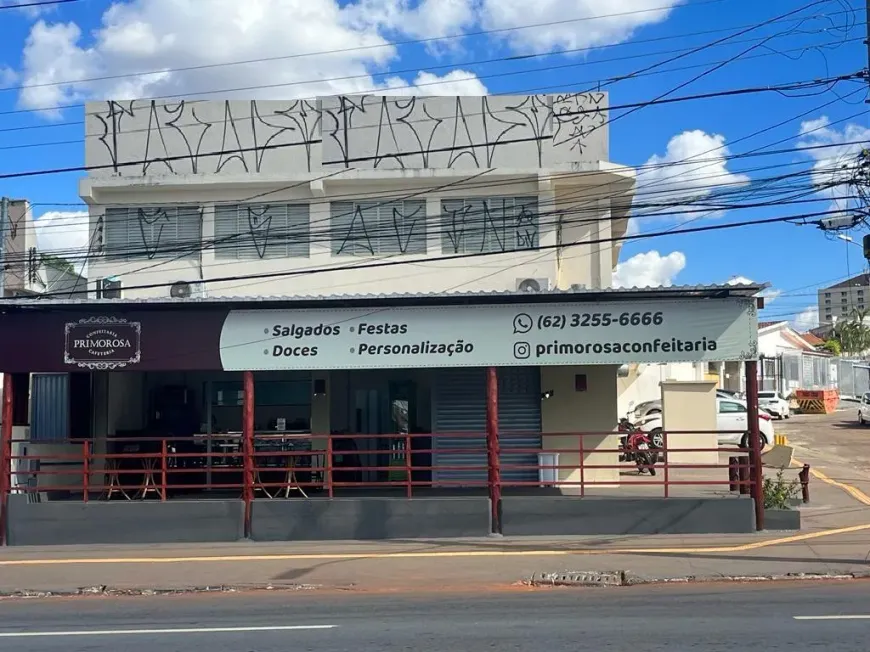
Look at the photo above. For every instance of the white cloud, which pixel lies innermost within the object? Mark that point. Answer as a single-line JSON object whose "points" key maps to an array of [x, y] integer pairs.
{"points": [[769, 294], [428, 19], [63, 233], [807, 319], [159, 35], [837, 163], [7, 76], [707, 170], [649, 269], [456, 82], [564, 32]]}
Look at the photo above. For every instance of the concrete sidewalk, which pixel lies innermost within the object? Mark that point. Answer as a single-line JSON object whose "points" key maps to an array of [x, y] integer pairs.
{"points": [[835, 539]]}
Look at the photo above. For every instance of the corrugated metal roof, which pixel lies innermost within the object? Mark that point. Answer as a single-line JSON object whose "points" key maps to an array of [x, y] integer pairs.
{"points": [[588, 294]]}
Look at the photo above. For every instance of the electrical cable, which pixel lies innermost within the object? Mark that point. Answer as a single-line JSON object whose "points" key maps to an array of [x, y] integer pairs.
{"points": [[38, 3], [349, 160], [460, 65], [592, 83], [829, 82], [803, 219]]}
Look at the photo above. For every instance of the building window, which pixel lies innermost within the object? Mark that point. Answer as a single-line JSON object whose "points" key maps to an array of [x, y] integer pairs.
{"points": [[153, 232], [489, 224], [246, 232], [827, 295], [827, 302], [371, 228]]}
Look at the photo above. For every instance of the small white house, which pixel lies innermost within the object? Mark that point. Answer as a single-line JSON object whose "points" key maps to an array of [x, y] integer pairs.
{"points": [[787, 361]]}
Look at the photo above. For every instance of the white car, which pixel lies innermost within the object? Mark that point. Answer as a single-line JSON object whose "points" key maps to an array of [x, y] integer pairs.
{"points": [[864, 410], [775, 403], [732, 415]]}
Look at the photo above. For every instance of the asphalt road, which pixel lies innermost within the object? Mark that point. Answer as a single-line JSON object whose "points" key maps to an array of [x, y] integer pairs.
{"points": [[703, 618]]}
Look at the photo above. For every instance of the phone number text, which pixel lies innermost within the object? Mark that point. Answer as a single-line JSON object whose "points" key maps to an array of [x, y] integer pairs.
{"points": [[596, 319]]}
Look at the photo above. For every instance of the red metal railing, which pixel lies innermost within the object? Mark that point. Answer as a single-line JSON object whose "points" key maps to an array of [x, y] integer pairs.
{"points": [[275, 466]]}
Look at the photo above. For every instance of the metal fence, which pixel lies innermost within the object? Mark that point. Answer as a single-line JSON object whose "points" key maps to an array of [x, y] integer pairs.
{"points": [[853, 378]]}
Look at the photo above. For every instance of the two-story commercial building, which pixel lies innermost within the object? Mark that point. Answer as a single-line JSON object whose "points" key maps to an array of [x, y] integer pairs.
{"points": [[355, 267]]}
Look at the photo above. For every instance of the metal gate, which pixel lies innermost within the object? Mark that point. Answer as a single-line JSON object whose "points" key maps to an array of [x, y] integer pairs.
{"points": [[460, 407]]}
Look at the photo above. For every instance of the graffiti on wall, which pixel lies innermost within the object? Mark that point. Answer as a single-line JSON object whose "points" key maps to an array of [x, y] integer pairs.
{"points": [[144, 138]]}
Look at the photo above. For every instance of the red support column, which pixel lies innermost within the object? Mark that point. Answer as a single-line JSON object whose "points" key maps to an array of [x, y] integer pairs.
{"points": [[492, 447], [5, 455], [248, 460], [756, 473]]}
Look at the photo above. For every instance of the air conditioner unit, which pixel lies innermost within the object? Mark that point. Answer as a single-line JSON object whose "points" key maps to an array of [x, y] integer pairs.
{"points": [[532, 285], [108, 288], [186, 290]]}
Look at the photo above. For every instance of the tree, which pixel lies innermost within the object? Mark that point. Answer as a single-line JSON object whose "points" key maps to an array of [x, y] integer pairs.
{"points": [[831, 346], [853, 334]]}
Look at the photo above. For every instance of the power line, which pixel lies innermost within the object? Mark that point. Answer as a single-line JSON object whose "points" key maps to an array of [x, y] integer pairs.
{"points": [[642, 200], [346, 161], [801, 218], [702, 47], [462, 64], [485, 184], [781, 88], [38, 3], [586, 83]]}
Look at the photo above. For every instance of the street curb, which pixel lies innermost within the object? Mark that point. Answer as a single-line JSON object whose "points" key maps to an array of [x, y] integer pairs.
{"points": [[105, 591], [627, 578], [575, 579]]}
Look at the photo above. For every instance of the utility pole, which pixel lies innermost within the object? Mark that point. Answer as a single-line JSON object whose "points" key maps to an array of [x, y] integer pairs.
{"points": [[4, 224]]}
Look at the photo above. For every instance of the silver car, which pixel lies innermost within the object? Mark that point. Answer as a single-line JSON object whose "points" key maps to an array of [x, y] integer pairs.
{"points": [[642, 410]]}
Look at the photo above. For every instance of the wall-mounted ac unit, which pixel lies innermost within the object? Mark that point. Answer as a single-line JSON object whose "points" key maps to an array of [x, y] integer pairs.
{"points": [[187, 290], [108, 288], [532, 285]]}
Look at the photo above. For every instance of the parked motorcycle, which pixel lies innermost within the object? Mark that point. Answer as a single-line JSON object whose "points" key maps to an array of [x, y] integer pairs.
{"points": [[636, 447]]}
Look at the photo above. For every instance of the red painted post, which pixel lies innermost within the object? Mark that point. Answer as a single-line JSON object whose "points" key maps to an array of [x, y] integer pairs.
{"points": [[409, 465], [248, 446], [492, 447], [755, 442], [805, 483], [666, 464], [86, 470], [163, 470], [327, 474], [5, 455], [582, 468]]}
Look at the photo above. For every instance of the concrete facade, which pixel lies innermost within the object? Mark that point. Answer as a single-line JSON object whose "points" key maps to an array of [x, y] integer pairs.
{"points": [[564, 516], [439, 155], [690, 407]]}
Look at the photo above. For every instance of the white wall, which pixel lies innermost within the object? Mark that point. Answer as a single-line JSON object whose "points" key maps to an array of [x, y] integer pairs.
{"points": [[644, 381], [269, 137], [561, 159]]}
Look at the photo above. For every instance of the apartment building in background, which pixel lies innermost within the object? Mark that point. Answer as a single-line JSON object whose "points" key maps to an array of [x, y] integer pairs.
{"points": [[839, 301]]}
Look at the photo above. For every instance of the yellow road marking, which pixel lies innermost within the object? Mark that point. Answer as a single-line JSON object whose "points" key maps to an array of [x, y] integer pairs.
{"points": [[743, 547], [856, 493]]}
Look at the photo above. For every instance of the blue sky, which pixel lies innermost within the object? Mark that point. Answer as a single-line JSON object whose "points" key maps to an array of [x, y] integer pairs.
{"points": [[63, 44]]}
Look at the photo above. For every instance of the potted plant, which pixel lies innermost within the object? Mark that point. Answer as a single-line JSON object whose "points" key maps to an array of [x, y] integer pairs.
{"points": [[779, 496]]}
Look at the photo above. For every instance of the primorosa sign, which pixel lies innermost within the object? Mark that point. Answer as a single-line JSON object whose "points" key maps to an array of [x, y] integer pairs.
{"points": [[103, 343], [181, 338]]}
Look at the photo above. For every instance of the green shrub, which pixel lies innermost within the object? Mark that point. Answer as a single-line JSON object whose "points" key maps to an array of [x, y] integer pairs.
{"points": [[778, 492]]}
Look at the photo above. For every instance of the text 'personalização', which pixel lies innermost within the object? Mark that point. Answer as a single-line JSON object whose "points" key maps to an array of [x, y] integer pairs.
{"points": [[423, 347]]}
